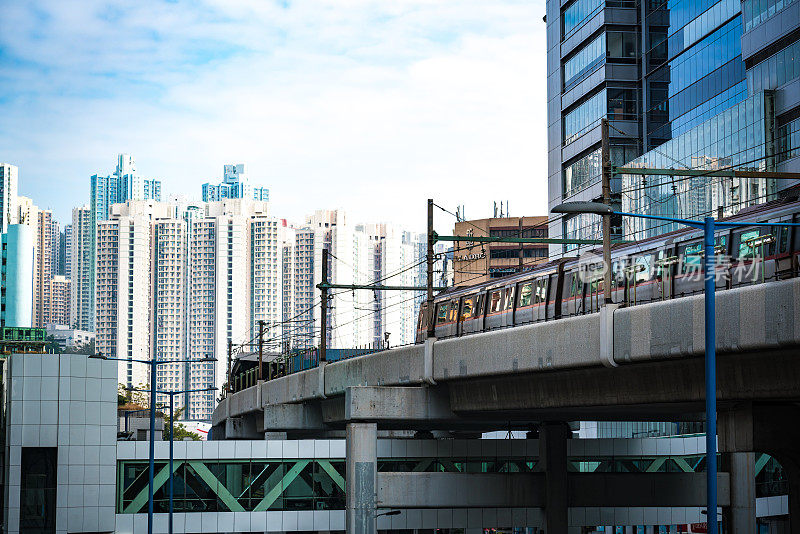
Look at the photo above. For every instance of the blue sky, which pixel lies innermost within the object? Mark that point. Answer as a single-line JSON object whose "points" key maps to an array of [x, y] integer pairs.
{"points": [[369, 105]]}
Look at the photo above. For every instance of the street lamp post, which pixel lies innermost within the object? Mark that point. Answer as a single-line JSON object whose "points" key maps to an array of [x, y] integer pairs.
{"points": [[153, 364], [708, 225], [172, 436]]}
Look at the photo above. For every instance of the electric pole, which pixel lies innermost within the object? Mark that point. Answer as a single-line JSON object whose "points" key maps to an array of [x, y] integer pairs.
{"points": [[429, 282], [323, 335], [261, 350], [605, 152]]}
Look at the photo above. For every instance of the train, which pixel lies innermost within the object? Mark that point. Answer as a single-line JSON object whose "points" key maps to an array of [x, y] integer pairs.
{"points": [[665, 267]]}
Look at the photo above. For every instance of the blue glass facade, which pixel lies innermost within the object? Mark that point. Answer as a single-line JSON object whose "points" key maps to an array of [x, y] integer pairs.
{"points": [[577, 12], [736, 138], [776, 70], [697, 77], [758, 11], [674, 71], [584, 117], [586, 60]]}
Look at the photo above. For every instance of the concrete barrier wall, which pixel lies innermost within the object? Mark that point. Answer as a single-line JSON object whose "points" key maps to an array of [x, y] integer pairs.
{"points": [[563, 344], [395, 367], [757, 317]]}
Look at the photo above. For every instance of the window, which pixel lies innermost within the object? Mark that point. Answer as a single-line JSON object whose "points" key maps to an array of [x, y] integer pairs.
{"points": [[38, 490], [495, 301], [746, 247], [467, 308], [584, 117], [577, 12], [441, 313], [692, 257], [621, 45], [582, 173], [541, 291], [591, 55], [622, 104], [525, 294], [509, 297]]}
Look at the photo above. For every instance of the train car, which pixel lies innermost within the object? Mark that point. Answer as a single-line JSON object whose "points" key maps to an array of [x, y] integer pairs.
{"points": [[664, 267]]}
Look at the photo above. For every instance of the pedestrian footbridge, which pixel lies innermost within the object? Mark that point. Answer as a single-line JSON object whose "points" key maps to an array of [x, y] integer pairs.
{"points": [[300, 485]]}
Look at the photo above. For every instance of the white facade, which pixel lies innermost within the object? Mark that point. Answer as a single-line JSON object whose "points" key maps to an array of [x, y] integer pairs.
{"points": [[8, 195], [178, 282], [359, 254], [81, 270]]}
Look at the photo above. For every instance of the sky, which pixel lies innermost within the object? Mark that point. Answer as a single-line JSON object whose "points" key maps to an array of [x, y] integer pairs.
{"points": [[368, 105]]}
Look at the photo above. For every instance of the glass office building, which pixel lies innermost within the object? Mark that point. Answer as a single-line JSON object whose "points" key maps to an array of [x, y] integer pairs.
{"points": [[698, 84]]}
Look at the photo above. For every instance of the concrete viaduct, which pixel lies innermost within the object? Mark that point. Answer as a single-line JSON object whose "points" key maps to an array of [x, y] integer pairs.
{"points": [[632, 363]]}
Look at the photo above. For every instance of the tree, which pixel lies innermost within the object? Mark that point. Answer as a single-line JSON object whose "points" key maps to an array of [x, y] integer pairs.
{"points": [[51, 345], [86, 348], [135, 398], [181, 432]]}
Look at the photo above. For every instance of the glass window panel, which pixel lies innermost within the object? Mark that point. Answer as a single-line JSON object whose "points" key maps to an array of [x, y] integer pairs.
{"points": [[525, 294]]}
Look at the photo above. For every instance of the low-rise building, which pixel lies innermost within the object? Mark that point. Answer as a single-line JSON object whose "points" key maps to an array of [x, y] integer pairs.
{"points": [[69, 338], [475, 262]]}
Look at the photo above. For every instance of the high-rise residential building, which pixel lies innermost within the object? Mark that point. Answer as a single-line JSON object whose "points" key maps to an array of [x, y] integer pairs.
{"points": [[55, 246], [82, 259], [349, 325], [178, 282], [27, 211], [105, 191], [65, 251], [43, 267], [16, 275], [235, 184], [685, 84], [393, 254], [359, 254], [57, 311], [8, 195], [300, 294]]}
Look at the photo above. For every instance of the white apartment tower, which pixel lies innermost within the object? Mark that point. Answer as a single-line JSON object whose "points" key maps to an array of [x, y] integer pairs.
{"points": [[178, 282], [80, 257], [126, 272], [8, 195]]}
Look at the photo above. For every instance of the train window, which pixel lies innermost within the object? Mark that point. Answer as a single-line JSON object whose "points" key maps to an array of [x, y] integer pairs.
{"points": [[453, 315], [577, 286], [496, 299], [747, 248], [480, 300], [692, 257], [642, 268], [509, 301], [525, 292], [467, 308], [541, 290], [441, 312]]}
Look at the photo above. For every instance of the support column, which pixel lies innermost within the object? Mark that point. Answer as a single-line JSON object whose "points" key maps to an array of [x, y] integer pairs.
{"points": [[553, 456], [740, 517], [362, 477]]}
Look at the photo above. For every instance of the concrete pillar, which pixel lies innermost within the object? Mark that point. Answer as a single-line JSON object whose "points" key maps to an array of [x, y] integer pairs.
{"points": [[362, 477], [740, 517], [553, 456]]}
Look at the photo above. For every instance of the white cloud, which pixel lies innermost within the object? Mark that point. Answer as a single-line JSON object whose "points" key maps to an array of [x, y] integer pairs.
{"points": [[366, 104]]}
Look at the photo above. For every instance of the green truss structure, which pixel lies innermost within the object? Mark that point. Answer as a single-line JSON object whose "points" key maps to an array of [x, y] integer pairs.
{"points": [[319, 484]]}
